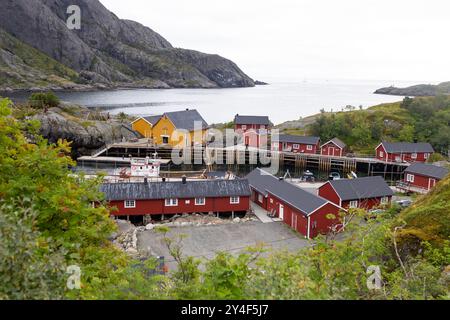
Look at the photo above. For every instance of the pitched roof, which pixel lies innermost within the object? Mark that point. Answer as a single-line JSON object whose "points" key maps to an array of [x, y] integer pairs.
{"points": [[298, 198], [407, 147], [337, 142], [297, 139], [153, 119], [361, 188], [238, 119], [175, 189], [186, 119], [428, 170]]}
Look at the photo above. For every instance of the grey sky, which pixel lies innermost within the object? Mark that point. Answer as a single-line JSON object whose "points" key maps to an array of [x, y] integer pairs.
{"points": [[302, 39]]}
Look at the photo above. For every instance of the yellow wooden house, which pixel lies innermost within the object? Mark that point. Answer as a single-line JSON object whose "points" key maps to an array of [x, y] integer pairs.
{"points": [[144, 125], [180, 129]]}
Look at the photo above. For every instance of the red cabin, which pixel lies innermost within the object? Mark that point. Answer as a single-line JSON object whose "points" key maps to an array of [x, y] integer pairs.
{"points": [[335, 147], [160, 198], [254, 129], [421, 177], [364, 193], [404, 151], [301, 210], [296, 144]]}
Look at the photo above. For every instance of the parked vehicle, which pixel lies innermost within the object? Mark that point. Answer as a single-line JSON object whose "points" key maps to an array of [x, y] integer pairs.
{"points": [[334, 176], [308, 176], [374, 213], [404, 203]]}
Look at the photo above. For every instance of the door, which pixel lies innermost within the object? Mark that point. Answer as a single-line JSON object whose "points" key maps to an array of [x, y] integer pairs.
{"points": [[281, 212], [431, 183]]}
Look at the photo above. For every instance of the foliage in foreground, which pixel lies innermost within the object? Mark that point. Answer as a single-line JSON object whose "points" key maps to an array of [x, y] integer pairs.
{"points": [[47, 222]]}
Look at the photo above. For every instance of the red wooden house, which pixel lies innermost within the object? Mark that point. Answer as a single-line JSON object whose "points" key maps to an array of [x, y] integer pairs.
{"points": [[421, 177], [296, 144], [364, 193], [178, 197], [403, 151], [335, 147], [254, 129], [301, 210]]}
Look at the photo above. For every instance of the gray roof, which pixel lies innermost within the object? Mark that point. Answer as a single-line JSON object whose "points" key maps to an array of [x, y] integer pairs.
{"points": [[337, 142], [297, 139], [153, 119], [175, 189], [300, 199], [238, 119], [407, 147], [428, 170], [361, 188], [186, 119]]}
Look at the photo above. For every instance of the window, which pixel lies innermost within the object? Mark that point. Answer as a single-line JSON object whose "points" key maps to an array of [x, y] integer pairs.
{"points": [[413, 155], [260, 198], [165, 140], [234, 200], [200, 201], [426, 155], [296, 146], [354, 204], [384, 200], [309, 147], [130, 204], [409, 177], [381, 154], [171, 202]]}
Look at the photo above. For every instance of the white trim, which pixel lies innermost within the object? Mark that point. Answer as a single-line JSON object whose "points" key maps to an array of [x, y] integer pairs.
{"points": [[353, 204], [328, 202], [340, 200], [234, 198], [131, 204], [144, 120], [173, 202], [308, 232], [410, 177], [309, 147], [200, 204], [332, 143]]}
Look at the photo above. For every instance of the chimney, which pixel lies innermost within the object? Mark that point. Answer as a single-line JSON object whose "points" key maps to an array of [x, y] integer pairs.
{"points": [[163, 179], [183, 179]]}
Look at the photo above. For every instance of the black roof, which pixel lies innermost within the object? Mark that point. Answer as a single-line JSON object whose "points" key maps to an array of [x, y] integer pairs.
{"points": [[407, 147], [186, 119], [300, 199], [361, 188], [153, 119], [238, 119], [337, 142], [428, 170], [297, 139], [175, 189]]}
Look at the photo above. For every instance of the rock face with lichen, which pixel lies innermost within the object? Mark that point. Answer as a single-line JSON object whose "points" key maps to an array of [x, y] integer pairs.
{"points": [[105, 52]]}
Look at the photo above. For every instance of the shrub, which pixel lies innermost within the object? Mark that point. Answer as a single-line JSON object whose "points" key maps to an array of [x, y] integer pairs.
{"points": [[43, 100]]}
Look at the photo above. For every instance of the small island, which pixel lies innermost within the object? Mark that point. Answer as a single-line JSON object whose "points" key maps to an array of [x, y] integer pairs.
{"points": [[420, 90]]}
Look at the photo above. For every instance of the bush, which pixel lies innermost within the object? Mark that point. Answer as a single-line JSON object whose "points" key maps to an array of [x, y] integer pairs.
{"points": [[43, 100]]}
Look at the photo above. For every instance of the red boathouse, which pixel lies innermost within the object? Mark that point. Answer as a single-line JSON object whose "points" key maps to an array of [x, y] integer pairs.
{"points": [[296, 144], [335, 147], [301, 210], [178, 197], [253, 129], [404, 151], [364, 193], [422, 177]]}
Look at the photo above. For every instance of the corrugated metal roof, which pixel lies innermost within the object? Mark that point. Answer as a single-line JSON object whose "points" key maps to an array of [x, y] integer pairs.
{"points": [[428, 170], [238, 119], [186, 119], [407, 147], [361, 188], [176, 189], [298, 198], [297, 139]]}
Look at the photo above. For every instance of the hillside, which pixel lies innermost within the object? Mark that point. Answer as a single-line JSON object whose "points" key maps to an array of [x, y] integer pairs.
{"points": [[417, 90], [106, 52]]}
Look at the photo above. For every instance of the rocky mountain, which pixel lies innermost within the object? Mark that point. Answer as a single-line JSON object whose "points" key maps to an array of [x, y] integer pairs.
{"points": [[417, 90], [105, 52]]}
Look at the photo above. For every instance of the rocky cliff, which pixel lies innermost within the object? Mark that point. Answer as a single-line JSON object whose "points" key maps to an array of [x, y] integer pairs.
{"points": [[105, 52], [421, 90]]}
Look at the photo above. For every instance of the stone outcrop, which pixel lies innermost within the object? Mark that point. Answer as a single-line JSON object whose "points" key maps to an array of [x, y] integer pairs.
{"points": [[421, 90]]}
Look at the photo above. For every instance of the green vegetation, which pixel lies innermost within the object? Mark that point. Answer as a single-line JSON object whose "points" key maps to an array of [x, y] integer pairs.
{"points": [[43, 100], [48, 222], [422, 119]]}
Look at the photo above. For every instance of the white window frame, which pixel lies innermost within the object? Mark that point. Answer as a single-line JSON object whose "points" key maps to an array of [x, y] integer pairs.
{"points": [[381, 154], [129, 204], [200, 201], [309, 147], [234, 200], [413, 155], [353, 204], [171, 202], [426, 155], [260, 198], [296, 146], [409, 177], [384, 200]]}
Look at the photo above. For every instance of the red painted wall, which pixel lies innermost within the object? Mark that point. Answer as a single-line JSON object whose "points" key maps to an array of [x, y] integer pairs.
{"points": [[330, 149], [421, 181], [326, 191], [320, 224], [143, 207], [255, 195], [301, 149], [392, 157], [366, 204], [249, 126]]}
